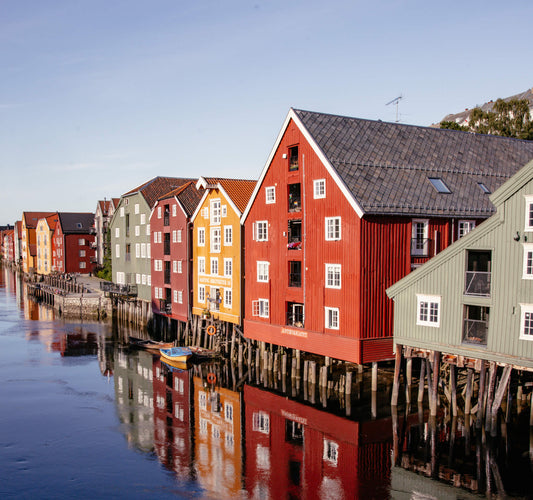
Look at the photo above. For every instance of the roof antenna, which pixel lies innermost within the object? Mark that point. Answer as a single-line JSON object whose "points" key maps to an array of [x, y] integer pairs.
{"points": [[396, 101]]}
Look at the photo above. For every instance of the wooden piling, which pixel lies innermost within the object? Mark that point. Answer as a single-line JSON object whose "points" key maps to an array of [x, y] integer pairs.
{"points": [[421, 380], [397, 368]]}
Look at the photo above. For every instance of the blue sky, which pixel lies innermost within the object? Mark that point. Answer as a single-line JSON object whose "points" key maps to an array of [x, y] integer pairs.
{"points": [[98, 96]]}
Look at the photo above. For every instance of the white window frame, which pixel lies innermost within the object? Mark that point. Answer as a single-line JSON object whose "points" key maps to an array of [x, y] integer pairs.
{"points": [[214, 260], [201, 236], [215, 240], [174, 266], [137, 250], [201, 265], [227, 298], [137, 230], [262, 271], [425, 237], [319, 189], [331, 452], [216, 213], [333, 271], [174, 210], [526, 309], [147, 229], [261, 230], [270, 195], [143, 250], [228, 267], [201, 294], [528, 220], [159, 212], [117, 232], [228, 236], [174, 236], [180, 267], [261, 422], [117, 251], [178, 234], [264, 308], [528, 249], [143, 219], [464, 227], [428, 301], [331, 225], [331, 318]]}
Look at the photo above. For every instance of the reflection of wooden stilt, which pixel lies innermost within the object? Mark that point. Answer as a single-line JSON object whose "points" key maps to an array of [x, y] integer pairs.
{"points": [[421, 382], [397, 368], [374, 405], [396, 436], [433, 444]]}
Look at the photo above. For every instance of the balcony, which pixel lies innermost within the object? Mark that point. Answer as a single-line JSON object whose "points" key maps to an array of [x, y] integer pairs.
{"points": [[167, 276], [166, 247], [477, 283], [114, 288], [420, 247], [166, 219]]}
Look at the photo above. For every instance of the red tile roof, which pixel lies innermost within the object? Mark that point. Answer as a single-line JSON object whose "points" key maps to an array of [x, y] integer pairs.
{"points": [[157, 187], [239, 190]]}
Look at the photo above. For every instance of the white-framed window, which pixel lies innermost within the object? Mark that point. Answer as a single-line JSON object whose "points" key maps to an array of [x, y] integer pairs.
{"points": [[526, 321], [261, 230], [261, 422], [147, 229], [143, 250], [143, 219], [174, 237], [215, 212], [137, 230], [333, 276], [81, 242], [138, 279], [178, 296], [155, 236], [117, 232], [117, 251], [333, 228], [228, 267], [227, 297], [201, 293], [137, 250], [201, 236], [527, 272], [428, 310], [180, 267], [122, 210], [214, 265], [174, 210], [159, 212], [148, 280], [270, 195], [143, 279], [319, 188], [136, 208], [529, 213], [224, 210], [178, 235], [465, 226], [174, 266], [419, 237], [332, 317], [260, 308], [158, 265], [148, 246], [82, 253], [121, 278], [331, 451], [228, 412], [262, 271], [215, 239], [228, 235], [201, 265], [205, 212], [83, 265]]}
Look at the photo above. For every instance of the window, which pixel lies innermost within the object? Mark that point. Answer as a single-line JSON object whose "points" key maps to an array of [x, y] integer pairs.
{"points": [[117, 251], [137, 230], [262, 271], [333, 275], [82, 253], [215, 239], [526, 322], [180, 270], [295, 273], [261, 230], [439, 185], [147, 229], [174, 210], [143, 250], [319, 188], [228, 267], [201, 236], [136, 208], [331, 451], [138, 279], [475, 324], [483, 188], [122, 209], [117, 232], [148, 250], [465, 226], [478, 272], [270, 195], [295, 198], [143, 219], [333, 228], [260, 308], [227, 297], [201, 265], [332, 317], [419, 238], [529, 213], [527, 272], [205, 212], [174, 266], [137, 250], [261, 422], [159, 212], [215, 212], [174, 237], [143, 279], [180, 297], [228, 235], [81, 242], [428, 307], [228, 412], [214, 265], [83, 265], [178, 234], [201, 293], [293, 159]]}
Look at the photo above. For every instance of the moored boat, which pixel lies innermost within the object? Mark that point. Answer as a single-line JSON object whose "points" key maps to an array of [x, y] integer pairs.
{"points": [[176, 354], [149, 344], [202, 353]]}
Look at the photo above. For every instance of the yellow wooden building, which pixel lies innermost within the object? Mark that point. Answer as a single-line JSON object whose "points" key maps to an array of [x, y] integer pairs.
{"points": [[217, 248], [43, 233], [29, 240]]}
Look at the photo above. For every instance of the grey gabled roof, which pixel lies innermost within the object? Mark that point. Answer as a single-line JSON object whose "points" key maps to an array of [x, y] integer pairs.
{"points": [[386, 166], [76, 222]]}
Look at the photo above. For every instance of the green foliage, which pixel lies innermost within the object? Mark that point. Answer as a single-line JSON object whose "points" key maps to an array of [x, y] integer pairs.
{"points": [[506, 118], [106, 272]]}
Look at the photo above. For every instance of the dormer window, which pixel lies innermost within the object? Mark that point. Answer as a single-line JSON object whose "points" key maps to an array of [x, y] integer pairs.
{"points": [[293, 159], [439, 185]]}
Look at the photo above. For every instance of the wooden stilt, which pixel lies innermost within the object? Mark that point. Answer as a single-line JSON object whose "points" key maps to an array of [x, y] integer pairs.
{"points": [[435, 383], [490, 393], [375, 376], [498, 397], [468, 394], [409, 379], [453, 389], [481, 394], [421, 382], [397, 368]]}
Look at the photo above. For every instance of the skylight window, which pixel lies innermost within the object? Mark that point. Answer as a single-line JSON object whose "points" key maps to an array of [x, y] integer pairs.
{"points": [[484, 188], [439, 185]]}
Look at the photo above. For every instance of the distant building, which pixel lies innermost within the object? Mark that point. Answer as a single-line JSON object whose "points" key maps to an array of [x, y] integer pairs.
{"points": [[44, 236], [29, 239], [103, 214]]}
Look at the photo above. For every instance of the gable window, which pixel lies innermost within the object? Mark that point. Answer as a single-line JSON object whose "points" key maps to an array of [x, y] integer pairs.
{"points": [[117, 232], [478, 272], [270, 195], [293, 159], [319, 188], [332, 317], [529, 213], [215, 239], [228, 235], [527, 272], [262, 271], [159, 212], [465, 226], [526, 322], [333, 275], [439, 185], [428, 310], [419, 238], [261, 230], [201, 236], [215, 212], [333, 228], [143, 218]]}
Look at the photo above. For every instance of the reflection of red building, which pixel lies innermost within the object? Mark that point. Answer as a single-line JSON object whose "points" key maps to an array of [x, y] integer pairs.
{"points": [[295, 448], [172, 418]]}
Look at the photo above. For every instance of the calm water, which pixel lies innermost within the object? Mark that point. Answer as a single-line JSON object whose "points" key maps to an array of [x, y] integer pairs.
{"points": [[81, 416]]}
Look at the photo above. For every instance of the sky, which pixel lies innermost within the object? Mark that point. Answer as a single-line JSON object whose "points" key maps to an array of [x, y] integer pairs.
{"points": [[99, 96]]}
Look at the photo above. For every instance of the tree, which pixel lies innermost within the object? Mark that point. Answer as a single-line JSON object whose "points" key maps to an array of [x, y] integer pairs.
{"points": [[105, 272], [506, 118]]}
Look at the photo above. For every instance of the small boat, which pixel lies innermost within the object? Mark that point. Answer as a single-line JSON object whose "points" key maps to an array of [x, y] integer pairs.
{"points": [[202, 353], [179, 354], [175, 366], [149, 344]]}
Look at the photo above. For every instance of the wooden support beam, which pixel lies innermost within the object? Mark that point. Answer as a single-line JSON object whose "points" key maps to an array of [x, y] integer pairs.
{"points": [[490, 393], [481, 394], [397, 368], [468, 395], [435, 383], [374, 376], [421, 382], [498, 397], [453, 388]]}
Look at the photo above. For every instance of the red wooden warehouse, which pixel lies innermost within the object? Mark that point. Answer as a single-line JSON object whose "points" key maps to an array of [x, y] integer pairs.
{"points": [[344, 208], [171, 252]]}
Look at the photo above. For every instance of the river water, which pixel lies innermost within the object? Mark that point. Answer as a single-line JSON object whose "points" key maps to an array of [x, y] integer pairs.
{"points": [[83, 416]]}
